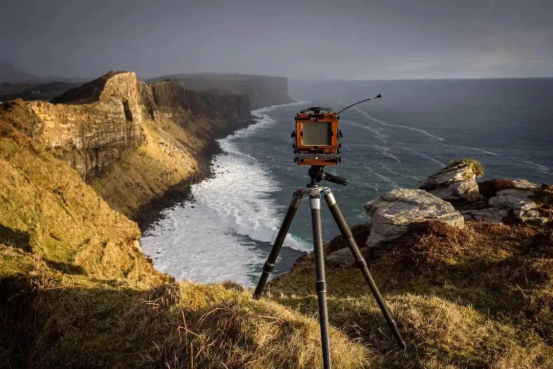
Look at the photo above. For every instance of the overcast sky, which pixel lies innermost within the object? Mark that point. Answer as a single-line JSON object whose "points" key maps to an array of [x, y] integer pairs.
{"points": [[349, 39]]}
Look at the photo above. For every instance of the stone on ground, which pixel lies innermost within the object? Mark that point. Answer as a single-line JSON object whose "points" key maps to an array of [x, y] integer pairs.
{"points": [[393, 213]]}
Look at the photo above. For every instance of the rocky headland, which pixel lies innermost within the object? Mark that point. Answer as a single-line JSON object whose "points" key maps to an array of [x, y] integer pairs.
{"points": [[132, 142], [466, 267]]}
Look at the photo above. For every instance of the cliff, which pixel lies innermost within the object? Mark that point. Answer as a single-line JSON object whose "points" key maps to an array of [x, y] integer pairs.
{"points": [[48, 211], [76, 290], [261, 90], [130, 141]]}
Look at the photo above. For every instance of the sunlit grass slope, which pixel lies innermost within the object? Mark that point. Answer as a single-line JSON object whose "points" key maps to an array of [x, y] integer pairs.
{"points": [[481, 297]]}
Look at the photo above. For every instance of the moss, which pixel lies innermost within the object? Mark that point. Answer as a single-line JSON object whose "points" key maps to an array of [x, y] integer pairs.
{"points": [[473, 164]]}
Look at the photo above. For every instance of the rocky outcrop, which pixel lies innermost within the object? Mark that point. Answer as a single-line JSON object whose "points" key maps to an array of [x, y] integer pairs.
{"points": [[91, 126], [494, 201], [455, 184], [175, 102], [517, 204], [395, 211], [392, 215], [94, 125]]}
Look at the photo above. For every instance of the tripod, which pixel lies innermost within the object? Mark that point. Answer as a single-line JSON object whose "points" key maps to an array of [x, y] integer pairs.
{"points": [[315, 192]]}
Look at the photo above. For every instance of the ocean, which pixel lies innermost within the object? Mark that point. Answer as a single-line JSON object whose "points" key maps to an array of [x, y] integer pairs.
{"points": [[224, 232]]}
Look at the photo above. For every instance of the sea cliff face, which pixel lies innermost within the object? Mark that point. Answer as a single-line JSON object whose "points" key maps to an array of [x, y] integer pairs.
{"points": [[129, 140], [261, 90]]}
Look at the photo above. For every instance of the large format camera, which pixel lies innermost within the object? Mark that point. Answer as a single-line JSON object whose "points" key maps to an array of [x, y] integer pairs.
{"points": [[317, 138]]}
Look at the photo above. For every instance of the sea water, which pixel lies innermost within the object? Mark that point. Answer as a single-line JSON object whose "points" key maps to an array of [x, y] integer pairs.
{"points": [[224, 232]]}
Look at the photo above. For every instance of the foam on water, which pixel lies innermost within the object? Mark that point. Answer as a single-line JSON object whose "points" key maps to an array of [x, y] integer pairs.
{"points": [[376, 132], [385, 151], [433, 137], [541, 168], [212, 238]]}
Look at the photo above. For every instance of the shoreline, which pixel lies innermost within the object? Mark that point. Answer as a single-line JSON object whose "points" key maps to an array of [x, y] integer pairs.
{"points": [[151, 212]]}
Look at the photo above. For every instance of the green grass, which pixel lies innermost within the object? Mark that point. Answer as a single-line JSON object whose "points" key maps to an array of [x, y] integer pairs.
{"points": [[475, 165]]}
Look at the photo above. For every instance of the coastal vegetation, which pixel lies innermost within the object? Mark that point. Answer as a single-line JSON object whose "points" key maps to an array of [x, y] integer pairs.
{"points": [[76, 290]]}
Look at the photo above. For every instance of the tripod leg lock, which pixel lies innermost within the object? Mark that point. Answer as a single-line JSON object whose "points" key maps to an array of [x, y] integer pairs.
{"points": [[268, 267], [361, 264], [320, 286]]}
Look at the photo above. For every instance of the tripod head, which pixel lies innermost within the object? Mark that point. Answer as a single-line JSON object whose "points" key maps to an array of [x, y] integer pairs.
{"points": [[317, 174]]}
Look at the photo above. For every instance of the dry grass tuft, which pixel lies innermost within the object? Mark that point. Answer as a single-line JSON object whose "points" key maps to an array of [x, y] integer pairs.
{"points": [[80, 322], [475, 165], [474, 298]]}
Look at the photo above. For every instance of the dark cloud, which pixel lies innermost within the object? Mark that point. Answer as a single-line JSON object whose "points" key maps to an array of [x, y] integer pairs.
{"points": [[300, 39]]}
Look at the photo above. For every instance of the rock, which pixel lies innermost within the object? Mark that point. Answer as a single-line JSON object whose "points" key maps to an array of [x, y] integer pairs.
{"points": [[456, 184], [395, 211], [524, 184], [344, 257], [91, 126], [492, 215], [511, 203]]}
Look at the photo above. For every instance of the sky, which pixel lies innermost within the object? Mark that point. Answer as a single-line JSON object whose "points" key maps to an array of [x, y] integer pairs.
{"points": [[319, 39]]}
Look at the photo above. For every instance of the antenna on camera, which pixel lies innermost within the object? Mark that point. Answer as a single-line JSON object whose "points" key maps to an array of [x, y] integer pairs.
{"points": [[379, 96]]}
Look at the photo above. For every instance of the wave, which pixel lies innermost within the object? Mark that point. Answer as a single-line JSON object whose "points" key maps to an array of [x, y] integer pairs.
{"points": [[387, 168], [386, 152], [229, 213], [382, 177], [487, 152], [376, 133], [541, 168], [433, 137], [425, 156]]}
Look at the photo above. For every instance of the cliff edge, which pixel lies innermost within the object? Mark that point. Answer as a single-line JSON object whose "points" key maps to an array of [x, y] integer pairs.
{"points": [[131, 141]]}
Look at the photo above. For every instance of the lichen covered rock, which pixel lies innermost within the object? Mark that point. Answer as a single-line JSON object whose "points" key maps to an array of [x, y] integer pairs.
{"points": [[395, 211], [455, 183]]}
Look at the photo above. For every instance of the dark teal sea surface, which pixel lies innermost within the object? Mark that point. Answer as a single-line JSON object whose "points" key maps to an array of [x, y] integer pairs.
{"points": [[413, 131]]}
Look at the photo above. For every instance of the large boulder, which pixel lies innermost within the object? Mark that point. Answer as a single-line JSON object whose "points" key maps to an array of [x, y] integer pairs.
{"points": [[393, 213], [456, 184]]}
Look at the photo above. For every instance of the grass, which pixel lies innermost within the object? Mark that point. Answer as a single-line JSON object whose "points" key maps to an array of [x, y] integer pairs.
{"points": [[475, 165], [47, 209], [81, 322], [142, 174], [474, 298]]}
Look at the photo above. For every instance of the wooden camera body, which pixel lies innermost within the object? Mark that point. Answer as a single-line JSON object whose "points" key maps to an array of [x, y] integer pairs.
{"points": [[317, 137]]}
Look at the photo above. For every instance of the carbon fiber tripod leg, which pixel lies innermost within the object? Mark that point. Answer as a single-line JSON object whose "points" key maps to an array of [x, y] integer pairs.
{"points": [[362, 264], [283, 231], [315, 203]]}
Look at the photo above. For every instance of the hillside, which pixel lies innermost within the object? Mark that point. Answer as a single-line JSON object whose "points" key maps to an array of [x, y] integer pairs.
{"points": [[10, 73], [130, 141], [76, 290]]}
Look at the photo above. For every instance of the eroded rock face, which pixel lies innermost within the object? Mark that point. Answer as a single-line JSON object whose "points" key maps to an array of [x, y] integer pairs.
{"points": [[394, 211], [91, 126], [456, 184]]}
